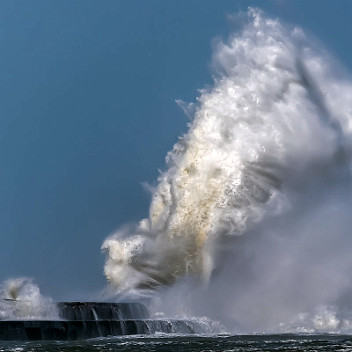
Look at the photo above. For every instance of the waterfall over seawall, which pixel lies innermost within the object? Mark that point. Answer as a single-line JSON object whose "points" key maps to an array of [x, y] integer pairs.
{"points": [[102, 311]]}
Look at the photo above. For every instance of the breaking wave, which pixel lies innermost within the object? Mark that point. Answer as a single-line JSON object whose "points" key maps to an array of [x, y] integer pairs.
{"points": [[263, 168], [20, 298]]}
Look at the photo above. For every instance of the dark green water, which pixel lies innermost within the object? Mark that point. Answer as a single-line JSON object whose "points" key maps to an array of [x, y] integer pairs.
{"points": [[234, 343]]}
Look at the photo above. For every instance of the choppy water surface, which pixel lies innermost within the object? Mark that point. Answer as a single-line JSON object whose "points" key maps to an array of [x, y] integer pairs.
{"points": [[193, 343]]}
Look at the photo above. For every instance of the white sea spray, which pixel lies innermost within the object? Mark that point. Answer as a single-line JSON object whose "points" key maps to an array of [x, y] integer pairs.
{"points": [[256, 196]]}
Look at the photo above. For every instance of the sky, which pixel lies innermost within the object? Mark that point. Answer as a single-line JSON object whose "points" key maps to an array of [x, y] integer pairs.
{"points": [[88, 113]]}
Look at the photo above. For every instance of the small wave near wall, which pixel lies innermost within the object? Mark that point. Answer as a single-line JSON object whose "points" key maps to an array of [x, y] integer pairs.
{"points": [[20, 299]]}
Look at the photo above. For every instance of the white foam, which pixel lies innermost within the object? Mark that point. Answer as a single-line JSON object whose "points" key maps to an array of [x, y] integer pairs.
{"points": [[20, 298], [259, 188], [263, 123]]}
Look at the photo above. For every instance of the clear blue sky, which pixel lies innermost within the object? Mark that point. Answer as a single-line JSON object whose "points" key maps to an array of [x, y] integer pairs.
{"points": [[88, 112]]}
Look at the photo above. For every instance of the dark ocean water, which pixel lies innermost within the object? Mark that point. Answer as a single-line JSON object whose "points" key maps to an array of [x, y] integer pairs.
{"points": [[192, 343]]}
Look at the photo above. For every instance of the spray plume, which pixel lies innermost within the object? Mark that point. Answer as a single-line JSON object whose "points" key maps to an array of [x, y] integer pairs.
{"points": [[263, 168], [20, 298]]}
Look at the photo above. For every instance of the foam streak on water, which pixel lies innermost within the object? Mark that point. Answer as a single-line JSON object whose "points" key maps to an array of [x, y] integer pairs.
{"points": [[271, 136]]}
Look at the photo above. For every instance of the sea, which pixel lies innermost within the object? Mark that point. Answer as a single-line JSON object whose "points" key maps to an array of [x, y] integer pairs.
{"points": [[233, 343]]}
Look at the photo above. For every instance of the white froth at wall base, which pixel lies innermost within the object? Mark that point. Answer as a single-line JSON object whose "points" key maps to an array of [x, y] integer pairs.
{"points": [[276, 125]]}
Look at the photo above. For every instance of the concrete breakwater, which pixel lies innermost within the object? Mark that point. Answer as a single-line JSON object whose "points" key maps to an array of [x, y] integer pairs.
{"points": [[82, 320]]}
